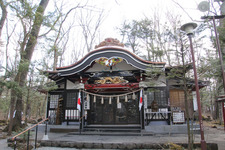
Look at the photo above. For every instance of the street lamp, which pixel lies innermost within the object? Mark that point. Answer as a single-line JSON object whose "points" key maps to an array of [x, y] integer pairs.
{"points": [[189, 28], [220, 56], [218, 45], [204, 6]]}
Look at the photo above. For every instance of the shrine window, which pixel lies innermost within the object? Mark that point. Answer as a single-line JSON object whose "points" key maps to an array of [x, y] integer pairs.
{"points": [[54, 100], [71, 99], [158, 95]]}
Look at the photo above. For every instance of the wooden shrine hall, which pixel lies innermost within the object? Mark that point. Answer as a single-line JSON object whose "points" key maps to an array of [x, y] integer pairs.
{"points": [[112, 82]]}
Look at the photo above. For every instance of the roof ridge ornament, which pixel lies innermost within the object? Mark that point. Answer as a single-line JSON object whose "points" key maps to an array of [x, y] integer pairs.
{"points": [[110, 42]]}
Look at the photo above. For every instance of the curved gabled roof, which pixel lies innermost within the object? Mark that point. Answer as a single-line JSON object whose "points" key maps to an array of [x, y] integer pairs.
{"points": [[108, 52]]}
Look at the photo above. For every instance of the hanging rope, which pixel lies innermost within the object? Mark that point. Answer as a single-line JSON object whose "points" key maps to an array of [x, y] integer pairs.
{"points": [[110, 96]]}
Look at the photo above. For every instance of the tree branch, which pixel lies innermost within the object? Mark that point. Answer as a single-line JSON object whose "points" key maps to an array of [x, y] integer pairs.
{"points": [[183, 9]]}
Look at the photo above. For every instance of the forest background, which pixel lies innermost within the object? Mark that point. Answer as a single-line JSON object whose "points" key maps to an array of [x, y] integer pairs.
{"points": [[42, 35]]}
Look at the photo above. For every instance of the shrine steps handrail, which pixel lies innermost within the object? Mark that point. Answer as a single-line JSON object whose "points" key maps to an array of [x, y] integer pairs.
{"points": [[82, 117], [13, 138]]}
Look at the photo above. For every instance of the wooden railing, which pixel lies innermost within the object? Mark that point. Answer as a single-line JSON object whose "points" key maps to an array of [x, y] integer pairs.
{"points": [[156, 116], [28, 136], [80, 119]]}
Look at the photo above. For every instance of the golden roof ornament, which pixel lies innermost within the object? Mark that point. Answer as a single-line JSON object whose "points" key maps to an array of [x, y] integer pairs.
{"points": [[110, 42]]}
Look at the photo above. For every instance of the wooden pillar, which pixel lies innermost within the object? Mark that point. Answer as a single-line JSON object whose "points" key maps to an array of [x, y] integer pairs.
{"points": [[82, 110], [142, 118], [222, 100], [142, 107], [48, 105], [168, 101], [64, 100]]}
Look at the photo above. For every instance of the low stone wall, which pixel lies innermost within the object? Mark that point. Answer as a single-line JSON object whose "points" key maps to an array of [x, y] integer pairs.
{"points": [[170, 129], [210, 146]]}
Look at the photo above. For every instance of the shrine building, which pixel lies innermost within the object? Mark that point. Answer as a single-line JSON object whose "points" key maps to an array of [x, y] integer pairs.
{"points": [[117, 88]]}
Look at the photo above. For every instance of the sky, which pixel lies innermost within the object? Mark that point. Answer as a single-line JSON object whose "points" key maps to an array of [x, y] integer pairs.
{"points": [[117, 11], [120, 10]]}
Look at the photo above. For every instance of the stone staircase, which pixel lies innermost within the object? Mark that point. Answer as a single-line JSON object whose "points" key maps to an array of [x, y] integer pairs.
{"points": [[110, 130], [104, 130]]}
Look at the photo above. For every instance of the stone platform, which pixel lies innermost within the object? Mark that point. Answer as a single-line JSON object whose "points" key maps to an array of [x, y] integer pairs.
{"points": [[141, 141]]}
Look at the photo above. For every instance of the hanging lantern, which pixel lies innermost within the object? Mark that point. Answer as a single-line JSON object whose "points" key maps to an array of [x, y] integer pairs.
{"points": [[118, 99], [94, 99], [126, 98], [133, 96], [102, 100], [110, 100]]}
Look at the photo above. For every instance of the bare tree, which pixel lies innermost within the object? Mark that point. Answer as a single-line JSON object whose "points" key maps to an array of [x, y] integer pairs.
{"points": [[2, 21], [90, 26], [26, 55], [62, 35], [77, 51], [4, 15]]}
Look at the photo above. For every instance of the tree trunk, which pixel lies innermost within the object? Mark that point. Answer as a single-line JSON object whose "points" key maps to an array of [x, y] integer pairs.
{"points": [[12, 103], [25, 62], [28, 101], [4, 15], [190, 137], [2, 21]]}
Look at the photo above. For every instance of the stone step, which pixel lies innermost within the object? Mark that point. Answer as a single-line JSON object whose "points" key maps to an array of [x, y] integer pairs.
{"points": [[114, 126], [102, 128], [64, 130], [112, 133], [112, 129]]}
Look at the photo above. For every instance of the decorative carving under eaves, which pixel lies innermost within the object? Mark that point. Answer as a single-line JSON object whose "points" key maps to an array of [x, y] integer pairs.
{"points": [[109, 62], [110, 42], [111, 80]]}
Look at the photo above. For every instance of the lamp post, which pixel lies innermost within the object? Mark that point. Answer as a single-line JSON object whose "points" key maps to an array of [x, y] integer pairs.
{"points": [[218, 44], [189, 28], [220, 55], [203, 7]]}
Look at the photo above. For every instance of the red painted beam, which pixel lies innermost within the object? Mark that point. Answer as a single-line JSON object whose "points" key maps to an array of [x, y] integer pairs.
{"points": [[110, 86]]}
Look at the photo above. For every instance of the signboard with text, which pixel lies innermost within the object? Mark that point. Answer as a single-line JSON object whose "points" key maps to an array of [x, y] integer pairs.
{"points": [[178, 117]]}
